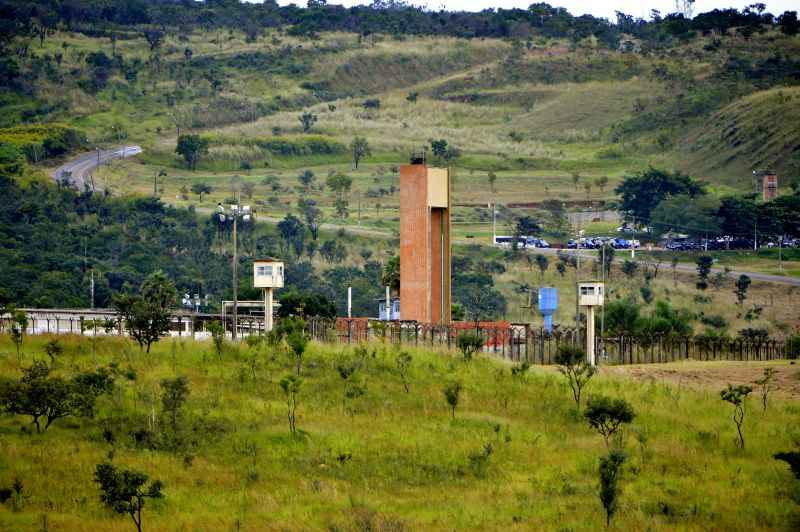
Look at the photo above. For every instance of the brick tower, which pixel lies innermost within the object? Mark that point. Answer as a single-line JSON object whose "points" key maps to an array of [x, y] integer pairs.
{"points": [[424, 242]]}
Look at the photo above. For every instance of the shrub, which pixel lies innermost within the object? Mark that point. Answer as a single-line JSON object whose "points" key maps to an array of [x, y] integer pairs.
{"points": [[704, 263], [793, 459], [573, 365], [736, 395], [124, 491], [54, 349], [403, 362], [479, 460], [307, 120], [290, 385], [298, 147], [766, 385], [217, 336], [469, 343], [610, 470], [452, 394], [606, 415], [173, 396], [297, 341]]}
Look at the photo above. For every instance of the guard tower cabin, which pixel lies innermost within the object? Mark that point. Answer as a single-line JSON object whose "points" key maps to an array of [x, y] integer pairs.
{"points": [[766, 184], [267, 275], [424, 242]]}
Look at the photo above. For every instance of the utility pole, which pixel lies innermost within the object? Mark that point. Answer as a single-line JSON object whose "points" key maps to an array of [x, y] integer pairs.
{"points": [[91, 289], [577, 279], [603, 308]]}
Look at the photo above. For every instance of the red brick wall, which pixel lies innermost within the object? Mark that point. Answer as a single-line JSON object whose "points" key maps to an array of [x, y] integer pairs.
{"points": [[415, 233]]}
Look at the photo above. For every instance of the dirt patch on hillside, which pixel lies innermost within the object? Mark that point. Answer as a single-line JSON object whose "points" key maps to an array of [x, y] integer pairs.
{"points": [[715, 375]]}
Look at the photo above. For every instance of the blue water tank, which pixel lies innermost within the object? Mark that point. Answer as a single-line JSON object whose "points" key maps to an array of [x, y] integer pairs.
{"points": [[548, 304]]}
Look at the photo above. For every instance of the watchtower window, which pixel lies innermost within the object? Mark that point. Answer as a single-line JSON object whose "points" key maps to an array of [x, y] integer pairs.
{"points": [[264, 271]]}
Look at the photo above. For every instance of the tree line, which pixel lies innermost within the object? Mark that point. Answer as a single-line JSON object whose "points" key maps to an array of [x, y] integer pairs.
{"points": [[40, 17]]}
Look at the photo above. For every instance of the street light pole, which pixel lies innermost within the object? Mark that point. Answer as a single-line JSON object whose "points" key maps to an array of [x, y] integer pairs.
{"points": [[235, 272]]}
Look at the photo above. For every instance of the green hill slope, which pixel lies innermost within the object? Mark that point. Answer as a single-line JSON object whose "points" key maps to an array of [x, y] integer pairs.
{"points": [[758, 131]]}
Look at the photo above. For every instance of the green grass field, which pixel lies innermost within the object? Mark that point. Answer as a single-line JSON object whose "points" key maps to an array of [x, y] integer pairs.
{"points": [[389, 460]]}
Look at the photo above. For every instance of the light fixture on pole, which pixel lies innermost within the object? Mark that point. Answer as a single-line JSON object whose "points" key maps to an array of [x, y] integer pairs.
{"points": [[234, 214]]}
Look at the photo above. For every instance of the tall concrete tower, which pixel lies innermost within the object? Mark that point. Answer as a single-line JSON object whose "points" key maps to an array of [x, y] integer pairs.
{"points": [[424, 242]]}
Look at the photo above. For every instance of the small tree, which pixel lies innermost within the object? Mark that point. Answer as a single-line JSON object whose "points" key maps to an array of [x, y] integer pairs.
{"points": [[629, 268], [452, 394], [124, 491], [306, 179], [297, 342], [54, 350], [543, 263], [610, 472], [469, 343], [147, 314], [736, 396], [217, 336], [403, 362], [39, 395], [290, 385], [576, 178], [704, 263], [173, 396], [307, 120], [742, 284], [601, 183], [192, 148], [573, 365], [606, 415], [766, 385], [412, 97], [359, 148], [200, 189], [492, 178]]}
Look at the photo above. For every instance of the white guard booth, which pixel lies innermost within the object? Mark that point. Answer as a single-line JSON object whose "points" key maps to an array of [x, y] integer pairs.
{"points": [[590, 295], [267, 274]]}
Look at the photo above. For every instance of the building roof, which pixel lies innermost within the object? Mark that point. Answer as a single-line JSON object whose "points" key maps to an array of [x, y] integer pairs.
{"points": [[267, 259]]}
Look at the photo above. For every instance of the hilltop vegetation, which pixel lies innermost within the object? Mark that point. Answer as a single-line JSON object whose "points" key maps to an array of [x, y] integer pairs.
{"points": [[531, 84], [514, 453]]}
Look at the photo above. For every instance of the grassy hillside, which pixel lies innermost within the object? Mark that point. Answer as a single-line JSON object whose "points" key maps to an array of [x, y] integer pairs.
{"points": [[757, 131], [517, 455]]}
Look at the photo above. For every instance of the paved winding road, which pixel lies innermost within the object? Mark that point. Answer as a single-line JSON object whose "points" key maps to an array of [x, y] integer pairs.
{"points": [[78, 170]]}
